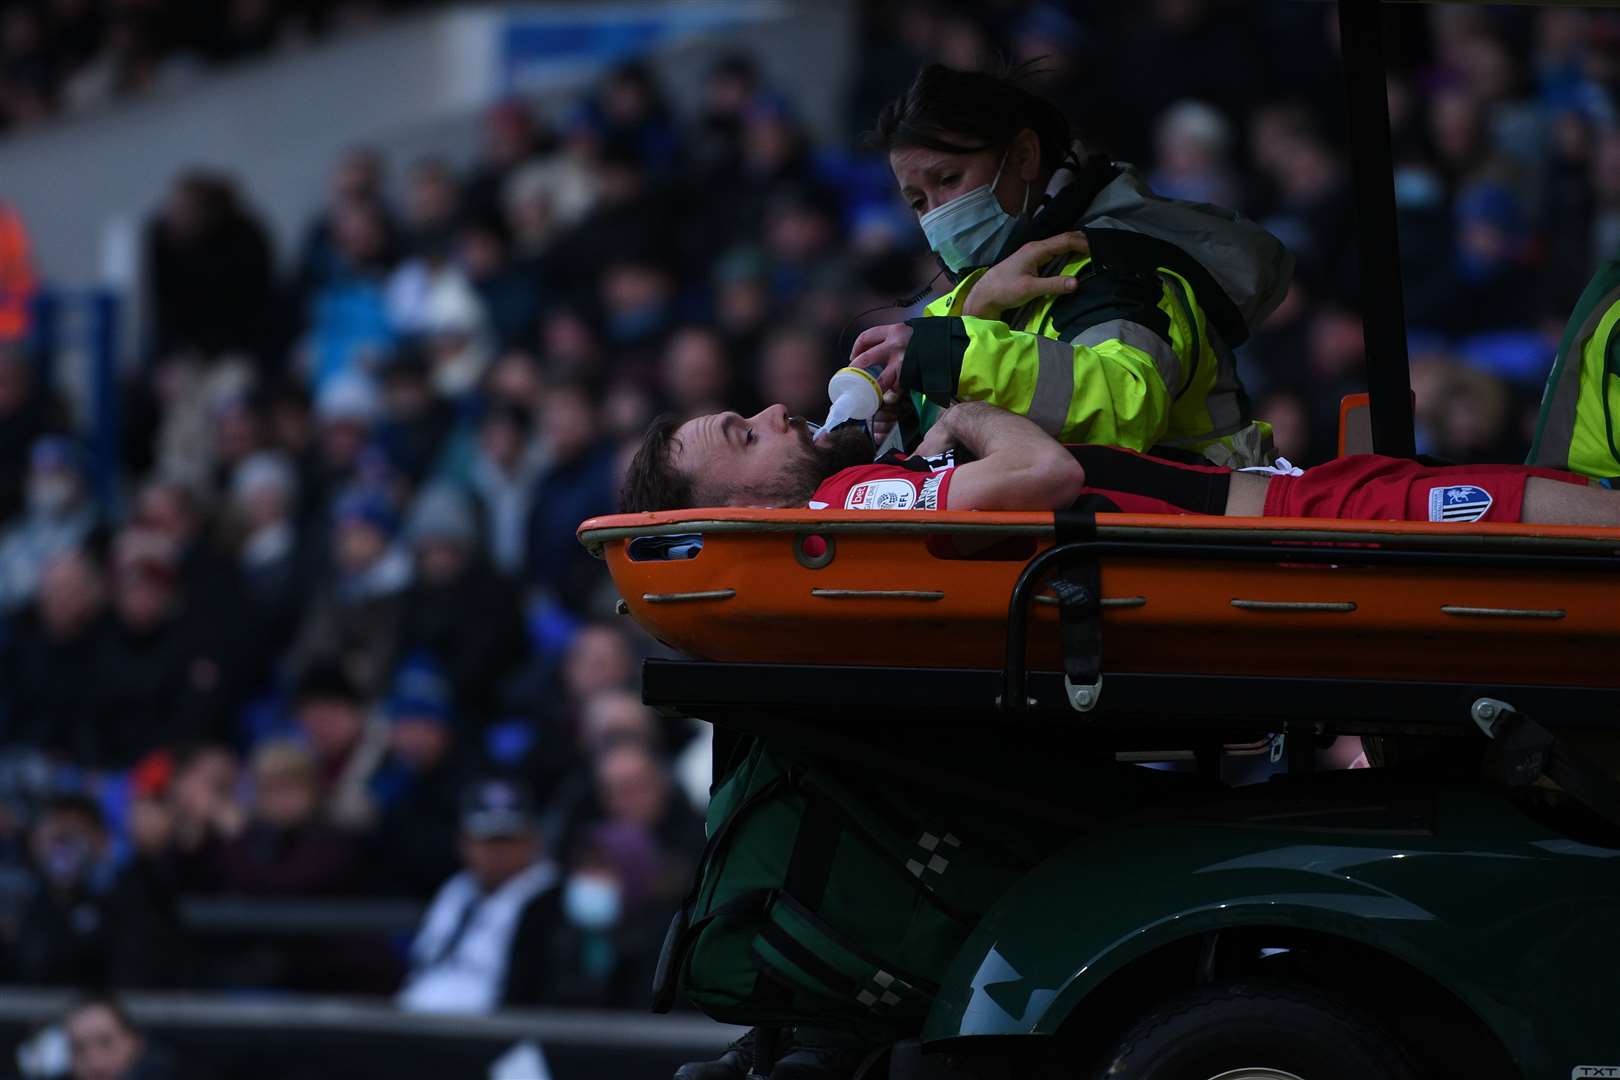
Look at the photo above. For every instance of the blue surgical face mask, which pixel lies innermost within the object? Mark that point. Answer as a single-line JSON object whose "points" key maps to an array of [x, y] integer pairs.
{"points": [[972, 228], [591, 903]]}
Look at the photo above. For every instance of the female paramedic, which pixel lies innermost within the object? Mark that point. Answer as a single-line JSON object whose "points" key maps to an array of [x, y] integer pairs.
{"points": [[1106, 315]]}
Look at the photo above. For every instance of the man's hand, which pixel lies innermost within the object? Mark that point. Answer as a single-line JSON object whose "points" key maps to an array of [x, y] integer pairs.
{"points": [[1016, 279], [940, 437], [885, 346], [1018, 466]]}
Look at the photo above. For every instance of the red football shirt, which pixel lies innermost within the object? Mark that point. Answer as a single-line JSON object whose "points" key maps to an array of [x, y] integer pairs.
{"points": [[899, 482]]}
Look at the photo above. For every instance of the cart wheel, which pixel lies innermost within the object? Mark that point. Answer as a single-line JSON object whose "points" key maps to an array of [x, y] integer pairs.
{"points": [[1254, 1030]]}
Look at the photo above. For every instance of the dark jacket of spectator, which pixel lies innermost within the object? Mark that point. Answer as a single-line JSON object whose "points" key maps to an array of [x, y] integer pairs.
{"points": [[567, 493], [210, 273], [458, 609]]}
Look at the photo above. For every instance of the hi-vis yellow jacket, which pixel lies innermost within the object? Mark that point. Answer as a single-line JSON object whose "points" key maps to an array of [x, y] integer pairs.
{"points": [[1140, 355], [1579, 428]]}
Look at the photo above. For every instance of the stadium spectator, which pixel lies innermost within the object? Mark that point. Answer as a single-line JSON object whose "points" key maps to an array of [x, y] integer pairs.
{"points": [[501, 481], [618, 887], [345, 741], [483, 943], [273, 564], [635, 788], [513, 138], [161, 682], [55, 660], [794, 369], [284, 848], [417, 787], [458, 609], [354, 620], [59, 517], [576, 483], [105, 1044], [696, 375], [1192, 141], [346, 309], [358, 179], [209, 271], [90, 923], [416, 423]]}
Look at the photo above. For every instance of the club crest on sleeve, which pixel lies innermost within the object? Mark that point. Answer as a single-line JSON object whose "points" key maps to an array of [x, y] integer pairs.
{"points": [[896, 494], [1458, 502]]}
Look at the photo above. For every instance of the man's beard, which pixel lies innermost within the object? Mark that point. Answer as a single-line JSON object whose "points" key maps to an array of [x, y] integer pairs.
{"points": [[843, 448]]}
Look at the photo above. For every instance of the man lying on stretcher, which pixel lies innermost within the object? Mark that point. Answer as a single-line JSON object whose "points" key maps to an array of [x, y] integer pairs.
{"points": [[980, 457]]}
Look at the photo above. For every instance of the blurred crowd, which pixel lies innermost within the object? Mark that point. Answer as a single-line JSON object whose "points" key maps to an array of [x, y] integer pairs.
{"points": [[337, 639], [62, 57]]}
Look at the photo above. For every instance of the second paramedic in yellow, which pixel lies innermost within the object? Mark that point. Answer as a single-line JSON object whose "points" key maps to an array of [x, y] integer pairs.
{"points": [[1122, 336]]}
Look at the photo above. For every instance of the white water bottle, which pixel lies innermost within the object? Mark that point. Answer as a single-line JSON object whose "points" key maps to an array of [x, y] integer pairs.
{"points": [[854, 394]]}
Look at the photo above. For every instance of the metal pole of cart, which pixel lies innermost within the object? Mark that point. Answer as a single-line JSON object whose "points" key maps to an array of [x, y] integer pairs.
{"points": [[1383, 316]]}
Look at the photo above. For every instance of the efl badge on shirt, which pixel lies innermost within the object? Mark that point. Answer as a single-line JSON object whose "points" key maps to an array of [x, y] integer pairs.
{"points": [[881, 495], [1460, 502]]}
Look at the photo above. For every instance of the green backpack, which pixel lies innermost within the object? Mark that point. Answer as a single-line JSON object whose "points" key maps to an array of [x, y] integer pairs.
{"points": [[821, 900], [1577, 428]]}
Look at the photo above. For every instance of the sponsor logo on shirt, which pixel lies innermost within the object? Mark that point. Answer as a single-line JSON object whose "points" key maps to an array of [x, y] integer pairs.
{"points": [[894, 494], [929, 499], [1459, 502]]}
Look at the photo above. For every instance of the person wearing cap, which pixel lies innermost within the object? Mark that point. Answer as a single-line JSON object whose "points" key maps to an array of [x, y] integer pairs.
{"points": [[417, 788], [457, 608], [59, 516], [354, 620], [482, 945]]}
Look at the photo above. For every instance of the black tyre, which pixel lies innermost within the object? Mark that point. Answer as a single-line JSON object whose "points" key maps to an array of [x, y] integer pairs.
{"points": [[1255, 1030]]}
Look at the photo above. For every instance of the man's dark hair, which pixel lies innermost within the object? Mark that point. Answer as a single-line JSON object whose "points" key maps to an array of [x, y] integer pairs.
{"points": [[964, 112], [653, 482]]}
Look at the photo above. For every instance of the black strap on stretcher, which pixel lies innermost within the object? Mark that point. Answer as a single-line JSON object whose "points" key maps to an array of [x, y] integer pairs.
{"points": [[1079, 599], [1524, 752]]}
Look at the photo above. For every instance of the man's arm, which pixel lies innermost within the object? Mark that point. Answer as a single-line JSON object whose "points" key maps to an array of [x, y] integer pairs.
{"points": [[1016, 465]]}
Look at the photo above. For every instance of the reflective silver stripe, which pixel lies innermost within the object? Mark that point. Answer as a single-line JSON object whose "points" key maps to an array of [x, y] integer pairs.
{"points": [[1054, 385], [1137, 337]]}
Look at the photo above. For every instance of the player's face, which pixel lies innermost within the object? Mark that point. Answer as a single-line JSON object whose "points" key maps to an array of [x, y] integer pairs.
{"points": [[728, 452], [766, 459]]}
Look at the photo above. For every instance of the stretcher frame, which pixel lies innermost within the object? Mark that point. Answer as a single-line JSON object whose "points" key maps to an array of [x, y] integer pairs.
{"points": [[1132, 707]]}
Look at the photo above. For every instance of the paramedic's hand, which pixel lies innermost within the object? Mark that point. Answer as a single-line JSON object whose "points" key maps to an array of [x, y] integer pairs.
{"points": [[886, 417], [1017, 280], [885, 346]]}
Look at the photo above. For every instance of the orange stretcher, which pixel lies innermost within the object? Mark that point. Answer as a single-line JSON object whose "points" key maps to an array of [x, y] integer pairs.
{"points": [[1499, 604]]}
